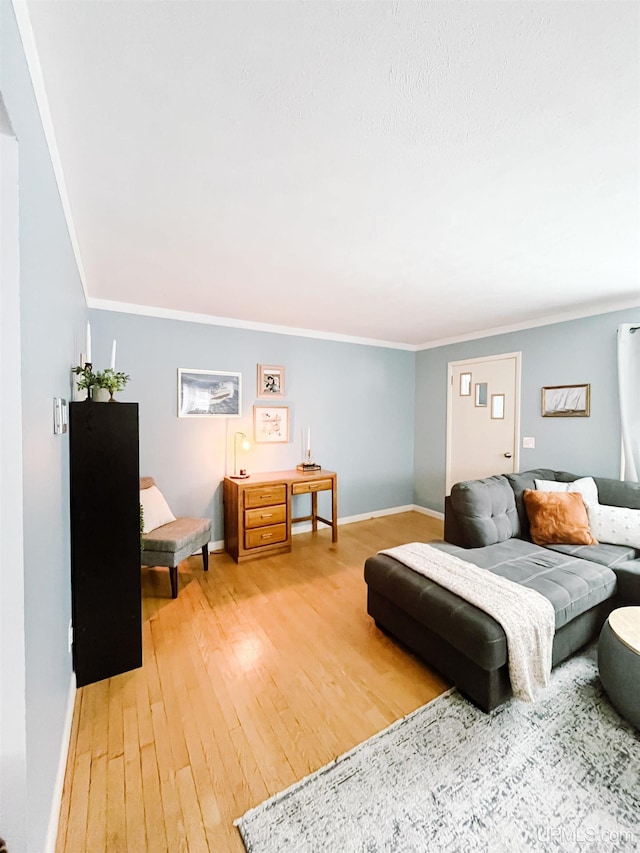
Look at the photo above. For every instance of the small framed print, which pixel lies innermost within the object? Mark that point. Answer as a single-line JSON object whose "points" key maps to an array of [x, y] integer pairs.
{"points": [[270, 380], [271, 424], [208, 393]]}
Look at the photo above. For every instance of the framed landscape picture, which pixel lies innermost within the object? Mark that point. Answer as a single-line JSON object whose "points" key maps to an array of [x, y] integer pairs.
{"points": [[271, 424], [208, 393], [566, 401], [270, 380]]}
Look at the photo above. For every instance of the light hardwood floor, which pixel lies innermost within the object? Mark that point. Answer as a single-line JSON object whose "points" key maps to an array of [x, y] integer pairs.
{"points": [[255, 676]]}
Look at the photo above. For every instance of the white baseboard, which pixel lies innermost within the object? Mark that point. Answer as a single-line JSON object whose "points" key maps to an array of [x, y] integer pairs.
{"points": [[56, 801], [376, 513], [306, 527], [433, 513]]}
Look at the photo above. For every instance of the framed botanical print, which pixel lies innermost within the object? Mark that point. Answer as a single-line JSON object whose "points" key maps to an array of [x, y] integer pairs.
{"points": [[271, 424]]}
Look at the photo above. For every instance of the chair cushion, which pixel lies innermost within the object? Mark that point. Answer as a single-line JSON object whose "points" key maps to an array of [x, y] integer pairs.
{"points": [[177, 535], [155, 509]]}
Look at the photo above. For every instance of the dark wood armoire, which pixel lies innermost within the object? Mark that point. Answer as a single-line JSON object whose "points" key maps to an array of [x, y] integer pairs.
{"points": [[105, 539]]}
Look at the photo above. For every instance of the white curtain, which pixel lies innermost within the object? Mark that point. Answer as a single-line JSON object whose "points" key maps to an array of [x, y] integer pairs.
{"points": [[629, 387]]}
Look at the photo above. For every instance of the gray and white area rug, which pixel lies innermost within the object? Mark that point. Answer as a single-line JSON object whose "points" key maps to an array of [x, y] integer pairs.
{"points": [[562, 774]]}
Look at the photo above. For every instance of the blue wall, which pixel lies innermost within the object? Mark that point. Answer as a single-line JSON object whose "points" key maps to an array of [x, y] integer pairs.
{"points": [[53, 313], [357, 400], [576, 351]]}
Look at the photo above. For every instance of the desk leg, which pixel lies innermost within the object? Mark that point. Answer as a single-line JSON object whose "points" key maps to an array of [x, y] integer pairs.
{"points": [[314, 511], [334, 511]]}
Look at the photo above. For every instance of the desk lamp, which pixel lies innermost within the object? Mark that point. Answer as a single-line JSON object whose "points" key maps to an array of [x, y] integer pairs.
{"points": [[242, 474]]}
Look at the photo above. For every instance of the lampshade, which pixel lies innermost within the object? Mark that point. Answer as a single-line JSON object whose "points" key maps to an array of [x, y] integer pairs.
{"points": [[245, 444]]}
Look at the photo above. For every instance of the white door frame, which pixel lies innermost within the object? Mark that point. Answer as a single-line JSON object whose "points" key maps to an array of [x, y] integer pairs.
{"points": [[13, 805], [452, 365]]}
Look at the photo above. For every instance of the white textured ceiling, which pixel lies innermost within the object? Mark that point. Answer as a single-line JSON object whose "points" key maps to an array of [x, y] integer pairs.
{"points": [[405, 172]]}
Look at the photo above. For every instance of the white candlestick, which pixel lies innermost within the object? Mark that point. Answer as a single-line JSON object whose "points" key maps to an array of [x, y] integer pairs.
{"points": [[309, 440], [113, 355], [88, 355]]}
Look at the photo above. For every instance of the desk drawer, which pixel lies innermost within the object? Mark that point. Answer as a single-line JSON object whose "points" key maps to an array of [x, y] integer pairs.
{"points": [[265, 535], [265, 515], [265, 496], [311, 486]]}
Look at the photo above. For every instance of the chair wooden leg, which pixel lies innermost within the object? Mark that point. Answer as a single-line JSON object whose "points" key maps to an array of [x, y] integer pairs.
{"points": [[205, 557], [173, 574]]}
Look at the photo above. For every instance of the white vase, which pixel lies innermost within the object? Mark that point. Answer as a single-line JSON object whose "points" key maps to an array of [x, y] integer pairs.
{"points": [[99, 395]]}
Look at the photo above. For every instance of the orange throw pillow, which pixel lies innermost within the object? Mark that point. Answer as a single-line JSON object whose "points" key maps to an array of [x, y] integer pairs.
{"points": [[558, 518]]}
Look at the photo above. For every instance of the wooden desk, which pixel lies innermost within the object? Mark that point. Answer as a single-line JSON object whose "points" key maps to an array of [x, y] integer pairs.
{"points": [[258, 510]]}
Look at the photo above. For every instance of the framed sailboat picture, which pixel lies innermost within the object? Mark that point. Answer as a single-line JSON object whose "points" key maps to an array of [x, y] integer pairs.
{"points": [[566, 401], [208, 393]]}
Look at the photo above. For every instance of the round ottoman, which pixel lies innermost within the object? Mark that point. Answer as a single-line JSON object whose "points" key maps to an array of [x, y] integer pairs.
{"points": [[619, 661]]}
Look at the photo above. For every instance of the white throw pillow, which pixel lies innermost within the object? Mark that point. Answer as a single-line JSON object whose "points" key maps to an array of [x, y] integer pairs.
{"points": [[155, 510], [615, 524], [585, 485]]}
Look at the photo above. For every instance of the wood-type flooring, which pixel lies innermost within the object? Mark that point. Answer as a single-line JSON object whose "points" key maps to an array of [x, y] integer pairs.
{"points": [[255, 676]]}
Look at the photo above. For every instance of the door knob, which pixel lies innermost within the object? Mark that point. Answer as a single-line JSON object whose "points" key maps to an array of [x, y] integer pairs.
{"points": [[507, 456]]}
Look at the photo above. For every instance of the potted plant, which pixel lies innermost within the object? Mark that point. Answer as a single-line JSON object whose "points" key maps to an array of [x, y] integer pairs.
{"points": [[87, 378], [107, 379], [112, 381]]}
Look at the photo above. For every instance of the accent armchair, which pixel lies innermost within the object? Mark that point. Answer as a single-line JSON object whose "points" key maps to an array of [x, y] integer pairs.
{"points": [[167, 540]]}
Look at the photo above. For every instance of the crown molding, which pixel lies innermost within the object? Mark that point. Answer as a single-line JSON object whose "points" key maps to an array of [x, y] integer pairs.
{"points": [[546, 320], [211, 320]]}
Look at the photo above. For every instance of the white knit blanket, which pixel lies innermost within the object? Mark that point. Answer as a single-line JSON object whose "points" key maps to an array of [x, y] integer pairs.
{"points": [[527, 617]]}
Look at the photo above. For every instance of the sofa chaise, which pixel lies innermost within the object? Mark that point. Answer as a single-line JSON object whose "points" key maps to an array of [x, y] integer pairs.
{"points": [[486, 523]]}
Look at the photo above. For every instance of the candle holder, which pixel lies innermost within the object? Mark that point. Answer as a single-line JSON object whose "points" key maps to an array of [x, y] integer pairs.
{"points": [[307, 463], [88, 371]]}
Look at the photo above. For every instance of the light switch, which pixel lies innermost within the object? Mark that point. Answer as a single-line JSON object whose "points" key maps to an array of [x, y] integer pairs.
{"points": [[59, 415], [529, 442]]}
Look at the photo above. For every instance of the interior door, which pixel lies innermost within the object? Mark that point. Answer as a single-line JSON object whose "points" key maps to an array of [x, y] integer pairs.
{"points": [[483, 409]]}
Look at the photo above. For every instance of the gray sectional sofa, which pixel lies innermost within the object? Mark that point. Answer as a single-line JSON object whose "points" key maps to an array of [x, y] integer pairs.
{"points": [[486, 524]]}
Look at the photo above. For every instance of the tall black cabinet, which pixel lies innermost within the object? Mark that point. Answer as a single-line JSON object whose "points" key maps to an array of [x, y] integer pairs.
{"points": [[105, 539]]}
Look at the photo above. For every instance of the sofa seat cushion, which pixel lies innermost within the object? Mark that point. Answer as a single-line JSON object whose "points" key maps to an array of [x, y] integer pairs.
{"points": [[628, 574], [605, 555], [573, 586]]}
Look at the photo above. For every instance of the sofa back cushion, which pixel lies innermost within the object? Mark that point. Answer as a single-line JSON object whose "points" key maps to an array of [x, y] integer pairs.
{"points": [[610, 492], [485, 510], [520, 482]]}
